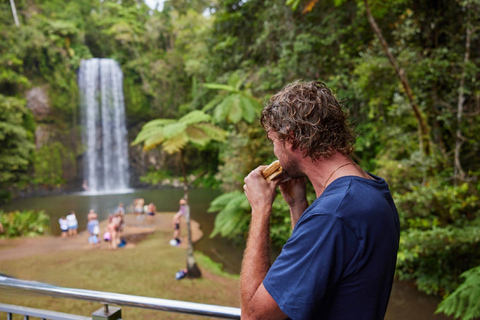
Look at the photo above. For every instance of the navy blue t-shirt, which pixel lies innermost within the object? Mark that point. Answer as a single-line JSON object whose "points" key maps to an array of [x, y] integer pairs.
{"points": [[340, 261]]}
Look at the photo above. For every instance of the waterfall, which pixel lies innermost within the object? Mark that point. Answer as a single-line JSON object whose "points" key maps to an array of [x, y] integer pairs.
{"points": [[103, 120]]}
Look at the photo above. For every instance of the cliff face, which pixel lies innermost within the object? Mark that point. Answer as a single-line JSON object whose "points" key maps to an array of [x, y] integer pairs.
{"points": [[59, 160]]}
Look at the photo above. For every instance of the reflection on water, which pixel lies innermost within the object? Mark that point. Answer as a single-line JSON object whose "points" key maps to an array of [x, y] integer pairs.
{"points": [[406, 303]]}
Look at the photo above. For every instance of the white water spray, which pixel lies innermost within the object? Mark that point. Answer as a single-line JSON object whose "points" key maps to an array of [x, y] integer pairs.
{"points": [[104, 130]]}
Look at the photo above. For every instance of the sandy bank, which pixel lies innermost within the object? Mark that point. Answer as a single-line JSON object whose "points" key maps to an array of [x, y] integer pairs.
{"points": [[135, 230]]}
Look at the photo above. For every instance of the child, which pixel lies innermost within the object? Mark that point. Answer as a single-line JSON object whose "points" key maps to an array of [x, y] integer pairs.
{"points": [[63, 226], [93, 230]]}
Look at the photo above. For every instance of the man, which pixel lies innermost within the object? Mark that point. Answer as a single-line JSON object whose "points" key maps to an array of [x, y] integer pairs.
{"points": [[340, 260]]}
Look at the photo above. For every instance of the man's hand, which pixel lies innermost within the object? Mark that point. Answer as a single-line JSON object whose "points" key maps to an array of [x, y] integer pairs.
{"points": [[295, 194], [260, 192]]}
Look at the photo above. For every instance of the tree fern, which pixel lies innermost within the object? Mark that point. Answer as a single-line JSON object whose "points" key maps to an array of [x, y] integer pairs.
{"points": [[464, 302], [232, 104], [236, 113], [194, 127]]}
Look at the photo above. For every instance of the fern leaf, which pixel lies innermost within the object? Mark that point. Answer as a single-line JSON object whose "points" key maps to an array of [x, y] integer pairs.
{"points": [[174, 129], [176, 143], [157, 123], [197, 135], [222, 110], [250, 108], [195, 116], [221, 201], [212, 103], [464, 301], [152, 142], [217, 86], [236, 114], [149, 133], [213, 132]]}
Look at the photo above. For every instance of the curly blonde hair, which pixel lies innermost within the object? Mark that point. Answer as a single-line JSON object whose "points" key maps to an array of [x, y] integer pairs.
{"points": [[308, 115]]}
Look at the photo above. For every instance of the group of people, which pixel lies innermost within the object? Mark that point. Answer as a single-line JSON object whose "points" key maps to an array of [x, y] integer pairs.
{"points": [[68, 225], [140, 208], [116, 223]]}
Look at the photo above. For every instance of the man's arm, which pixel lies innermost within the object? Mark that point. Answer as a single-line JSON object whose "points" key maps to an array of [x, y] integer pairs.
{"points": [[257, 303]]}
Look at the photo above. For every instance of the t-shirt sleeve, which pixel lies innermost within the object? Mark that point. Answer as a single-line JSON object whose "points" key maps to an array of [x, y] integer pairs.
{"points": [[317, 254]]}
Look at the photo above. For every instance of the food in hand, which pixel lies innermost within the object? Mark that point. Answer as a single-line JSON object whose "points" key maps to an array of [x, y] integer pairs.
{"points": [[273, 171]]}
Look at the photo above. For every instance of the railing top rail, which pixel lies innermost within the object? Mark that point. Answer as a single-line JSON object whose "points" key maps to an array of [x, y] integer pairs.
{"points": [[122, 299]]}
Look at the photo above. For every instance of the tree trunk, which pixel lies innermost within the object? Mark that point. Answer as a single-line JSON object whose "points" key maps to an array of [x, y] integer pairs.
{"points": [[14, 12], [459, 174], [422, 127], [192, 268]]}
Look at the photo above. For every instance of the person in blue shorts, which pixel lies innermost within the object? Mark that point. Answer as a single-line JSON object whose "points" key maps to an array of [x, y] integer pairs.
{"points": [[72, 223], [339, 262]]}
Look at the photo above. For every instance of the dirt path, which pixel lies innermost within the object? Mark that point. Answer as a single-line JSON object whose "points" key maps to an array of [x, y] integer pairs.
{"points": [[135, 230]]}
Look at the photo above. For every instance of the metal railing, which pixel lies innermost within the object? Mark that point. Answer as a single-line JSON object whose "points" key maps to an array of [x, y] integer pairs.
{"points": [[107, 298]]}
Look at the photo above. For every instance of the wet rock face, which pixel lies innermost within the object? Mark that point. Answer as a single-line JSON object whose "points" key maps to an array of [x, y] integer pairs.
{"points": [[37, 101]]}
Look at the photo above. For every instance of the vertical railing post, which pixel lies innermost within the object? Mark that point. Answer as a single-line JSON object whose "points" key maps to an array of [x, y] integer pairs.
{"points": [[107, 313]]}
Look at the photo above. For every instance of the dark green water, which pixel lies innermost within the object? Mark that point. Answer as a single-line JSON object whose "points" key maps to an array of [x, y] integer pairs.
{"points": [[406, 303]]}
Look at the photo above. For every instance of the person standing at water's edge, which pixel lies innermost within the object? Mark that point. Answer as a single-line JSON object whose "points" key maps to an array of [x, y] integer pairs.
{"points": [[72, 224], [176, 222], [63, 226], [340, 260]]}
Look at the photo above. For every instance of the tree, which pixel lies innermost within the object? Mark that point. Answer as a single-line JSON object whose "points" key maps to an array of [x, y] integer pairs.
{"points": [[16, 136], [196, 128]]}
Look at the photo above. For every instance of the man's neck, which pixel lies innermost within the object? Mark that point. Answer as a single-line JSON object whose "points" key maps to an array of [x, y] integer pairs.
{"points": [[322, 172]]}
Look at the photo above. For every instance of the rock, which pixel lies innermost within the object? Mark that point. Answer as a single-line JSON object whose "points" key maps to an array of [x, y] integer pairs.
{"points": [[37, 101]]}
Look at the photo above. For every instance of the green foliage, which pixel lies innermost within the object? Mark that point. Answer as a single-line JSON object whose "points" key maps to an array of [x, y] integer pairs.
{"points": [[179, 61], [15, 140], [49, 163], [233, 104], [441, 226], [194, 127], [24, 223], [435, 258], [463, 302], [155, 177], [233, 214]]}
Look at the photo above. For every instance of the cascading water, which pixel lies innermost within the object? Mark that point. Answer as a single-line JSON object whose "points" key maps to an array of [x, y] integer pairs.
{"points": [[103, 120]]}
